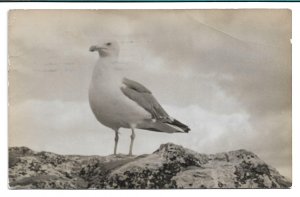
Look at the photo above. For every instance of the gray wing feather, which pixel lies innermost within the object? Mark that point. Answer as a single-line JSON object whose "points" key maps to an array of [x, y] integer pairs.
{"points": [[135, 86], [144, 98]]}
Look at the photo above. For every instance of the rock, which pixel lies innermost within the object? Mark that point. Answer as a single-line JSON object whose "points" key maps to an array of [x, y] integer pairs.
{"points": [[170, 166]]}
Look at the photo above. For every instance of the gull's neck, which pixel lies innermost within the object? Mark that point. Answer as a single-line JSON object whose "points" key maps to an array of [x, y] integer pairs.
{"points": [[105, 66], [107, 62]]}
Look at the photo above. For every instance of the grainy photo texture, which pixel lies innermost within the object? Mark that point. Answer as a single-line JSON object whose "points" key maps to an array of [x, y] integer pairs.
{"points": [[149, 99]]}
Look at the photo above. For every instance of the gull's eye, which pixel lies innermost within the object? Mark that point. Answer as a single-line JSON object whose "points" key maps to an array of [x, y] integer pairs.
{"points": [[108, 44]]}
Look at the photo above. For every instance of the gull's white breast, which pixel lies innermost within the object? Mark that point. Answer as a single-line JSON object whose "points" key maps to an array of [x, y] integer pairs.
{"points": [[110, 106]]}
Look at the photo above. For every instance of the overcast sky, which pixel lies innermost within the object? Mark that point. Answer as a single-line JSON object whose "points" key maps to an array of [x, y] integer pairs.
{"points": [[225, 73]]}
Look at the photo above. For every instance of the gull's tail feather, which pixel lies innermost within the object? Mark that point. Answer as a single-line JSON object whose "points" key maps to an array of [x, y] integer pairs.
{"points": [[167, 127]]}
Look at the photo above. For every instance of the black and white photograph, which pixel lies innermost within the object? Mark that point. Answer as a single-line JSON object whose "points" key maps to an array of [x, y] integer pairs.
{"points": [[150, 99]]}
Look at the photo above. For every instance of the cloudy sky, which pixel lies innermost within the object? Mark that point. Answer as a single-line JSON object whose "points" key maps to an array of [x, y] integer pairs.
{"points": [[225, 73]]}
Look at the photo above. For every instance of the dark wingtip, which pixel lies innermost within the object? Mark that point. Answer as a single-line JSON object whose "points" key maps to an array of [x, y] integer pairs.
{"points": [[185, 128]]}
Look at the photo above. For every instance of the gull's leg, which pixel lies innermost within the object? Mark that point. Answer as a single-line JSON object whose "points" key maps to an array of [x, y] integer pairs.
{"points": [[131, 142], [116, 141]]}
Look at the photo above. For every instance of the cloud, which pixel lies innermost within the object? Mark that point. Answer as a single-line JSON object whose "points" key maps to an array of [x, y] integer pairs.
{"points": [[62, 127]]}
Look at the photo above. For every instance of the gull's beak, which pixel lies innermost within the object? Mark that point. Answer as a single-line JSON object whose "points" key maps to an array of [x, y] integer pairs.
{"points": [[93, 48], [96, 48]]}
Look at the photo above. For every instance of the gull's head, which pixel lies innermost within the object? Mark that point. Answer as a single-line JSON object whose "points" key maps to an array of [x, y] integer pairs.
{"points": [[107, 49]]}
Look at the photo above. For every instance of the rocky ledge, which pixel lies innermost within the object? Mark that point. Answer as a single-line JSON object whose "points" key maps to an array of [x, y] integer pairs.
{"points": [[170, 166]]}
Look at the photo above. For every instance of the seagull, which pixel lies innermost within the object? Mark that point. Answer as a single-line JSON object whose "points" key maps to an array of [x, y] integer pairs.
{"points": [[118, 102]]}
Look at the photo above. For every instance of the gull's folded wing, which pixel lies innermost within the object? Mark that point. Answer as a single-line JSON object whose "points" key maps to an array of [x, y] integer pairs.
{"points": [[144, 98]]}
